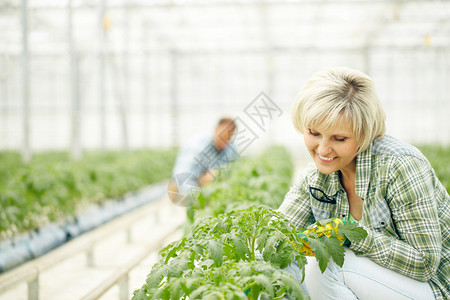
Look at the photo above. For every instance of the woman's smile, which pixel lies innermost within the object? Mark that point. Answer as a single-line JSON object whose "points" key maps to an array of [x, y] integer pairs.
{"points": [[326, 159], [332, 149]]}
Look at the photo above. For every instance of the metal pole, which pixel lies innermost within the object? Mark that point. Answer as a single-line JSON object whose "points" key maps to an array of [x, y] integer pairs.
{"points": [[102, 82], [4, 87], [33, 289], [90, 261], [75, 149], [268, 50], [125, 94], [123, 288], [129, 235], [26, 150], [145, 88], [366, 60], [174, 96], [269, 57]]}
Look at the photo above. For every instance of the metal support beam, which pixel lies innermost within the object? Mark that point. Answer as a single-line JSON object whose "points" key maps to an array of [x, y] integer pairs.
{"points": [[75, 147], [33, 289], [126, 75], [225, 3], [145, 88], [123, 288], [174, 96], [26, 149], [129, 235], [269, 52], [90, 261], [102, 73]]}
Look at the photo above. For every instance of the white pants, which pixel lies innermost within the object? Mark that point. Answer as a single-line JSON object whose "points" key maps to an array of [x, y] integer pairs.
{"points": [[361, 278]]}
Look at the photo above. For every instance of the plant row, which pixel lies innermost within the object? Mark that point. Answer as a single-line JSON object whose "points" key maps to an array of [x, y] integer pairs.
{"points": [[238, 245], [53, 187]]}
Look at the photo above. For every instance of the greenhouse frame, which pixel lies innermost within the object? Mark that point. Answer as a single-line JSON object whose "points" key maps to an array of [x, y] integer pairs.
{"points": [[99, 99], [130, 74]]}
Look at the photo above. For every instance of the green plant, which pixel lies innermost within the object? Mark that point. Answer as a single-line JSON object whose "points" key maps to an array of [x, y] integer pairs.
{"points": [[53, 187], [242, 280], [221, 254], [439, 158]]}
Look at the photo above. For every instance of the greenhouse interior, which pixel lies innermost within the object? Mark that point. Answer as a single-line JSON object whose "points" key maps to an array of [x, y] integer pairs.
{"points": [[154, 149]]}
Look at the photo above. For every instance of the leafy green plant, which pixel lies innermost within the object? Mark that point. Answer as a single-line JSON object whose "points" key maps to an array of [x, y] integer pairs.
{"points": [[240, 235], [210, 259], [242, 280], [53, 187], [327, 242]]}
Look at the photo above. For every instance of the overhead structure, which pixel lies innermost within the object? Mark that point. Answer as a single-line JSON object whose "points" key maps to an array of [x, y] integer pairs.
{"points": [[138, 73]]}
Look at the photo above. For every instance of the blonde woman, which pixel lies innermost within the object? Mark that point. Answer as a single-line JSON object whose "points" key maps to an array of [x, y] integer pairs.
{"points": [[386, 185]]}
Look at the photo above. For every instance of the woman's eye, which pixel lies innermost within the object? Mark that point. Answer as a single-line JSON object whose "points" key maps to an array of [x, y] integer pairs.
{"points": [[340, 139], [314, 133]]}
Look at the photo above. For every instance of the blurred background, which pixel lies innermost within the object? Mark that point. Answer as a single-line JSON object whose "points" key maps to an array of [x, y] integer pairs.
{"points": [[126, 74]]}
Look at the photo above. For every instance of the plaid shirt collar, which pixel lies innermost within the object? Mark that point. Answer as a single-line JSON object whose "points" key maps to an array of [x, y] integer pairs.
{"points": [[330, 183]]}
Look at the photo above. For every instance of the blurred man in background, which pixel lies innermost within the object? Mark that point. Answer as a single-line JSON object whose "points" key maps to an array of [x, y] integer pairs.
{"points": [[199, 160]]}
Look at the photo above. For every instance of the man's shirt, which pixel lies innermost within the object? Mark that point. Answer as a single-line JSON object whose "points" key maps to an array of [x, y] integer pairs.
{"points": [[406, 210], [200, 155]]}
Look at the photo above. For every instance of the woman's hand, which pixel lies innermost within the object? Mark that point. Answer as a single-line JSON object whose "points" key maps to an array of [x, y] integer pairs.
{"points": [[321, 231]]}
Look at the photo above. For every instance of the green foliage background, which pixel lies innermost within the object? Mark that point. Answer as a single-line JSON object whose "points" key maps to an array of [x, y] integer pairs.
{"points": [[439, 158]]}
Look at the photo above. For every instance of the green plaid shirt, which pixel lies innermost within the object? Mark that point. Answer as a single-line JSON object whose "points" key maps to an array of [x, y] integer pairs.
{"points": [[406, 210]]}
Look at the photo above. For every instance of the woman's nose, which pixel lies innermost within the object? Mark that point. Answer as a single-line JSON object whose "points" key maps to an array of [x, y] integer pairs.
{"points": [[324, 147]]}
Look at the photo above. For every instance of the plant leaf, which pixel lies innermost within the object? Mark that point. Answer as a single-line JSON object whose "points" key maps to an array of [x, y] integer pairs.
{"points": [[261, 239], [159, 271], [177, 266], [242, 250], [175, 288], [265, 282], [270, 246], [335, 250], [216, 249], [352, 231], [322, 255], [292, 286]]}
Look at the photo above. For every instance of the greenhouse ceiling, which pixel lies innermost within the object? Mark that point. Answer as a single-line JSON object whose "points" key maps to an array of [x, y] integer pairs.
{"points": [[215, 26]]}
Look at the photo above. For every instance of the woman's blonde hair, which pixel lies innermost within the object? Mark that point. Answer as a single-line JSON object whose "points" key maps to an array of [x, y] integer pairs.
{"points": [[336, 95]]}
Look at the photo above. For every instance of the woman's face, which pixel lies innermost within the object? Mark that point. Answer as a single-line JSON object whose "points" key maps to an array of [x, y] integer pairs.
{"points": [[332, 149]]}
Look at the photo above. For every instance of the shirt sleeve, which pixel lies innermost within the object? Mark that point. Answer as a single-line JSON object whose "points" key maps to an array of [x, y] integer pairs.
{"points": [[296, 204], [228, 155], [410, 194], [184, 163], [188, 158], [232, 151]]}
